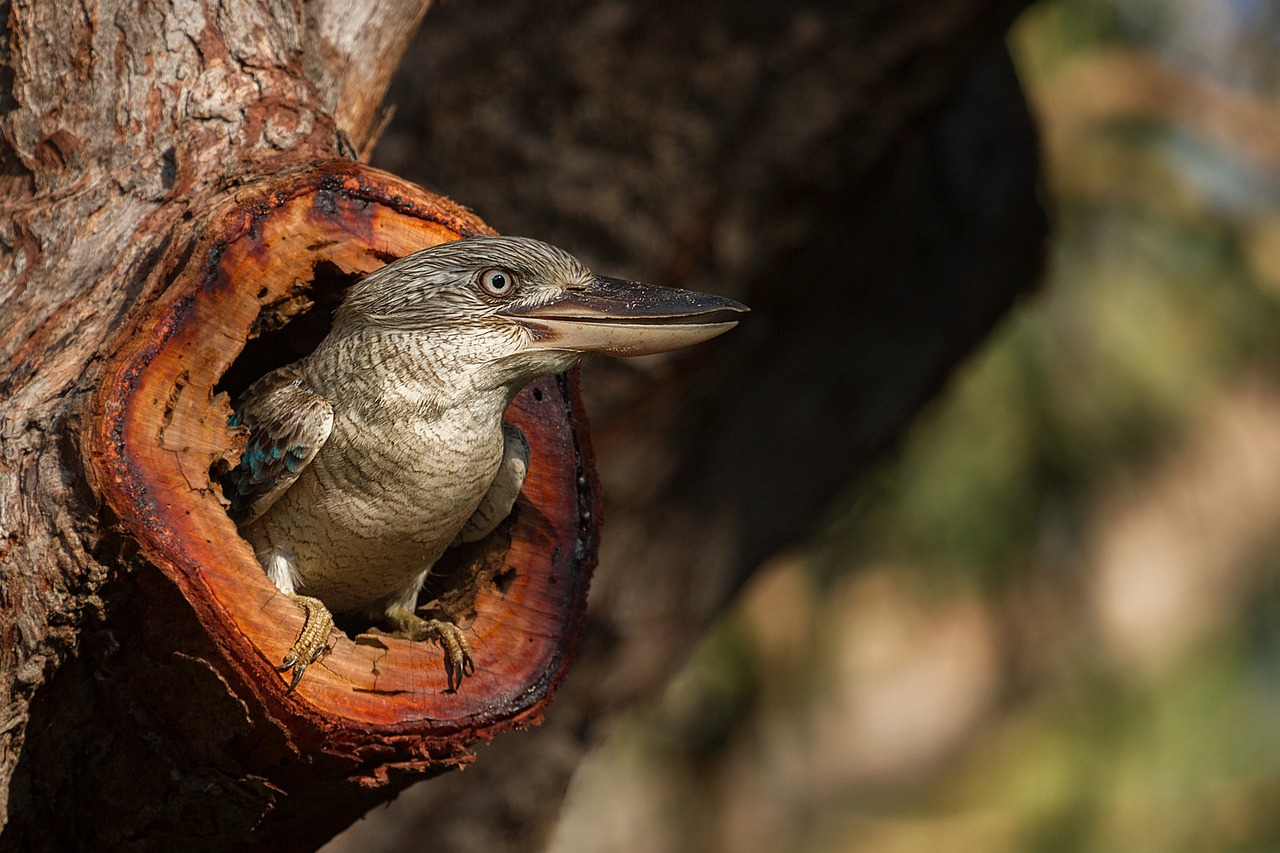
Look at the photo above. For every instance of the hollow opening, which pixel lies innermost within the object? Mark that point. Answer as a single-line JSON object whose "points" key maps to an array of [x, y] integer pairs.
{"points": [[288, 328]]}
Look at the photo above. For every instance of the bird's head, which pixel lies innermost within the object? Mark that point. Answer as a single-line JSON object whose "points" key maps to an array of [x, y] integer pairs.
{"points": [[526, 308]]}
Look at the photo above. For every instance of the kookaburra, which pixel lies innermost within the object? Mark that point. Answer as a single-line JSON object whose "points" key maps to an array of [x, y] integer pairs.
{"points": [[369, 457]]}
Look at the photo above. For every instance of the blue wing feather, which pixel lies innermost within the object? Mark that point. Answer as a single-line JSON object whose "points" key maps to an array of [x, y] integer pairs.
{"points": [[288, 422]]}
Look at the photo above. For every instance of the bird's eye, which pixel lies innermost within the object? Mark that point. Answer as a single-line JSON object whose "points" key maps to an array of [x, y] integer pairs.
{"points": [[497, 282]]}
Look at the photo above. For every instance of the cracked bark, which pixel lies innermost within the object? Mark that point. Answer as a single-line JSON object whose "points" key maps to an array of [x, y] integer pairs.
{"points": [[148, 156]]}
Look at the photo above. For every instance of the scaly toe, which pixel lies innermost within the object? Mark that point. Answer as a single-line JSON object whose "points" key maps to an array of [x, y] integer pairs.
{"points": [[457, 649], [311, 642]]}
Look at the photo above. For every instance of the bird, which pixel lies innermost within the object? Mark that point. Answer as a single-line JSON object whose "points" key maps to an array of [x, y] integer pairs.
{"points": [[367, 459]]}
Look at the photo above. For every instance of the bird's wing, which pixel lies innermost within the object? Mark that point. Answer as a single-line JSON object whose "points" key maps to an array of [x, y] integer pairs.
{"points": [[288, 422]]}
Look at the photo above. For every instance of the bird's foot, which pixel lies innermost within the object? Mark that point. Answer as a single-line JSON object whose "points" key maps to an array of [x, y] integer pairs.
{"points": [[458, 661], [313, 640]]}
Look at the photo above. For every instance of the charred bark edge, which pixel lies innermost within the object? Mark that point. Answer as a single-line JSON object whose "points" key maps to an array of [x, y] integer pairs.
{"points": [[120, 442]]}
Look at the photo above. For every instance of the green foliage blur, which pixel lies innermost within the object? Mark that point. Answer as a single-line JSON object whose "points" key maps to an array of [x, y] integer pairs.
{"points": [[1051, 620]]}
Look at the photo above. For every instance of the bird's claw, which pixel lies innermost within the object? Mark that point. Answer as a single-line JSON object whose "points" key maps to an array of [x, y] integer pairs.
{"points": [[456, 648], [459, 662], [311, 642]]}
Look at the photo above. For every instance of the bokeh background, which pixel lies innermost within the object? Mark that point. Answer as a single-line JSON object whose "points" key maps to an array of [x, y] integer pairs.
{"points": [[1048, 617]]}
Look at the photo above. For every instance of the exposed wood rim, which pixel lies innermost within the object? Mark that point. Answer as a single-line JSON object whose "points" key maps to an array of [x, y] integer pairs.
{"points": [[155, 428]]}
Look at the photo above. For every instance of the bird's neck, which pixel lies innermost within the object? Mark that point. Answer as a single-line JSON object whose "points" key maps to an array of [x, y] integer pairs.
{"points": [[405, 373]]}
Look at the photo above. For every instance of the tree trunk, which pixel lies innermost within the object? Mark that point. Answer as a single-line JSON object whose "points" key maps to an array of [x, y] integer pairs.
{"points": [[171, 195], [137, 704]]}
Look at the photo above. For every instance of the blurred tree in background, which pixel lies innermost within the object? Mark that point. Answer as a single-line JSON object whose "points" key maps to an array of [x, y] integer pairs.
{"points": [[1048, 621]]}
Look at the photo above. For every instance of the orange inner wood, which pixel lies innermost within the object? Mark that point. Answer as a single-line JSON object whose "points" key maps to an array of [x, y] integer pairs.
{"points": [[171, 433]]}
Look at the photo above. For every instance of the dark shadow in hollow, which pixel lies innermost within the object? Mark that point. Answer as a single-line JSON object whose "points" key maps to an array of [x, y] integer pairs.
{"points": [[289, 328]]}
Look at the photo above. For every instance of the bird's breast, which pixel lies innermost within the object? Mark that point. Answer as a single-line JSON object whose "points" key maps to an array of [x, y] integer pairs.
{"points": [[382, 500]]}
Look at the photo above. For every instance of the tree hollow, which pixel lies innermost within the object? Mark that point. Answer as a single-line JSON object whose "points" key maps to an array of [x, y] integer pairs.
{"points": [[251, 287]]}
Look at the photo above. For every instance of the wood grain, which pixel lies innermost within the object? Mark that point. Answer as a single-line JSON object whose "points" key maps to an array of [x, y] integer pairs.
{"points": [[155, 431]]}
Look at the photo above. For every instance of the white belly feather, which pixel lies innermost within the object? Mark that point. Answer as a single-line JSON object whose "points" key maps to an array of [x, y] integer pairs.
{"points": [[376, 508]]}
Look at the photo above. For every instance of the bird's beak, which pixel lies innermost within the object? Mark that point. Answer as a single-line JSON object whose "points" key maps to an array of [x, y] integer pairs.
{"points": [[628, 318]]}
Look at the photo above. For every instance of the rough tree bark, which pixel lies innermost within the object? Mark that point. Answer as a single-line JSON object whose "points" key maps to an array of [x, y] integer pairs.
{"points": [[904, 204], [171, 192]]}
